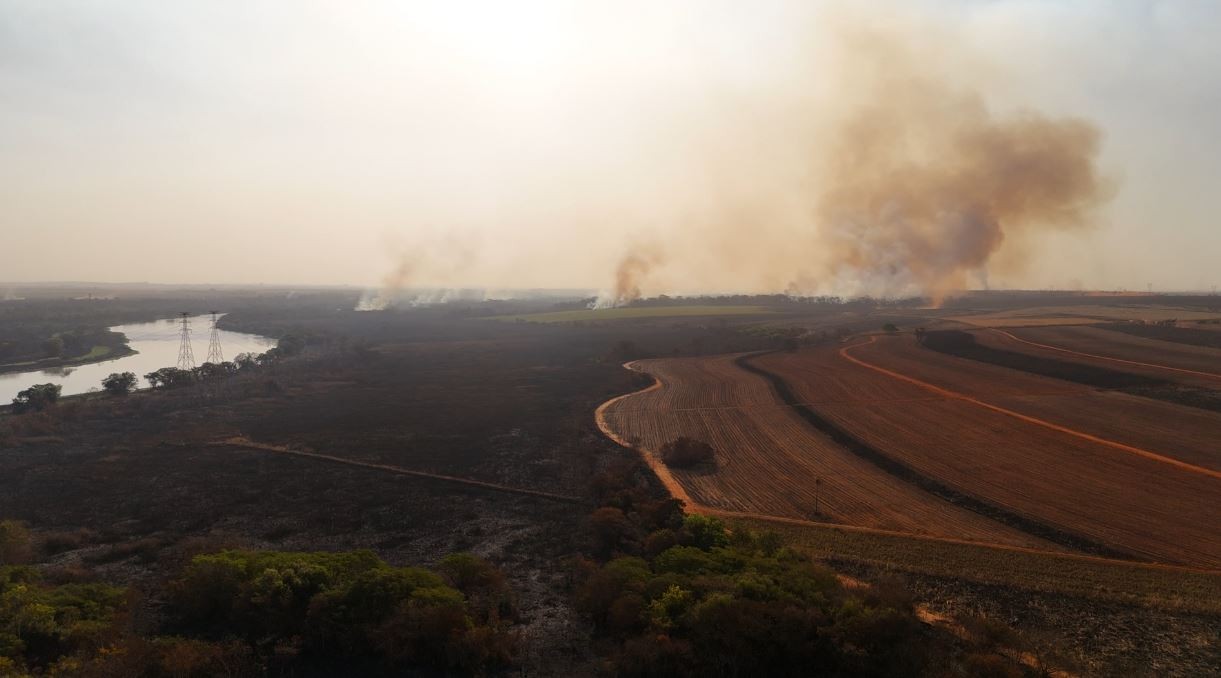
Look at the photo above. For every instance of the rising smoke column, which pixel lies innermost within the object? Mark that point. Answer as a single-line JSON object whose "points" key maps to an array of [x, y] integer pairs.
{"points": [[923, 183], [630, 274]]}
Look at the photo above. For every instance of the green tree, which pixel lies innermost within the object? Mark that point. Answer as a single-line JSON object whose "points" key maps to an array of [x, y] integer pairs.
{"points": [[36, 398], [119, 383], [706, 532], [169, 377]]}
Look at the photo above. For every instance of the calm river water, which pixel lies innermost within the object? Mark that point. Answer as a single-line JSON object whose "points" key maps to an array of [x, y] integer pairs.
{"points": [[157, 346]]}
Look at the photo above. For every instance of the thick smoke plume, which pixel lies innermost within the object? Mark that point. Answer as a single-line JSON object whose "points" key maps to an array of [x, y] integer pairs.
{"points": [[630, 274], [923, 184], [915, 184], [882, 158]]}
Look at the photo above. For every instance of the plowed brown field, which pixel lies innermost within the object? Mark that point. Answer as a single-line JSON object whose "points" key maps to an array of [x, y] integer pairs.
{"points": [[1175, 431], [1184, 363], [1059, 453], [771, 462]]}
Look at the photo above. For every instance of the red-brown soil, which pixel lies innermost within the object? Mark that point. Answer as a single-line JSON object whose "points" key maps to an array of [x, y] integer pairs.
{"points": [[1184, 363], [1055, 474], [771, 462]]}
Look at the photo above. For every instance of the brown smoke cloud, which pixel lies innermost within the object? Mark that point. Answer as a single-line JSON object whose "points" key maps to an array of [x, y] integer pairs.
{"points": [[905, 181], [923, 184], [880, 158], [630, 275], [426, 260]]}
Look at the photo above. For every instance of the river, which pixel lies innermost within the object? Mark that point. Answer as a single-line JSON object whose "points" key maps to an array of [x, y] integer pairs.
{"points": [[156, 344]]}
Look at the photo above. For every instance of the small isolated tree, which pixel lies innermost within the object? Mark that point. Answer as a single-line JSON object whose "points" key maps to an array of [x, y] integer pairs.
{"points": [[119, 383], [890, 327], [683, 452], [36, 398]]}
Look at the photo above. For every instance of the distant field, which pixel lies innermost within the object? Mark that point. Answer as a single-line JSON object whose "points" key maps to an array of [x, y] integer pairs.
{"points": [[1080, 315], [628, 312]]}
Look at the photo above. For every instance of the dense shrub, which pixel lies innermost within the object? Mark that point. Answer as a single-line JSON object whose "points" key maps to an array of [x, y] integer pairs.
{"points": [[684, 452], [119, 383], [352, 605], [702, 601], [40, 624]]}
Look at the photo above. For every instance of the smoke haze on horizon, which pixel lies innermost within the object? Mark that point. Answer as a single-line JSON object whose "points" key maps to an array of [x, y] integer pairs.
{"points": [[637, 148]]}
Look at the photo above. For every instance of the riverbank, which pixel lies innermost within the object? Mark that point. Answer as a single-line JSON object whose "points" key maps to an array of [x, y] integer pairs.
{"points": [[93, 356]]}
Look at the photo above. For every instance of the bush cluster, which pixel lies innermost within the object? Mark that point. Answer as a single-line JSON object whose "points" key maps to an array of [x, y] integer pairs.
{"points": [[675, 594], [41, 625], [250, 613], [683, 452], [351, 605]]}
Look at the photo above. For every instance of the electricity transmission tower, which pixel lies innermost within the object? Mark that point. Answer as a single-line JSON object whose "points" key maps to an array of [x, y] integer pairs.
{"points": [[215, 356], [186, 358]]}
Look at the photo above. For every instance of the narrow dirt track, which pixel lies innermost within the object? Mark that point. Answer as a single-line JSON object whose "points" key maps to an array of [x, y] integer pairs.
{"points": [[1210, 375], [659, 469], [845, 352], [469, 482]]}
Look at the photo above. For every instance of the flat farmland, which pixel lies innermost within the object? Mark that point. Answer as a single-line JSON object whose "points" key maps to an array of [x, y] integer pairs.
{"points": [[770, 461], [1155, 507], [1184, 433], [1180, 362]]}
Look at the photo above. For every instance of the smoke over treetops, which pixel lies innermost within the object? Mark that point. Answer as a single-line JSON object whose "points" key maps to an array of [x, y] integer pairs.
{"points": [[878, 166]]}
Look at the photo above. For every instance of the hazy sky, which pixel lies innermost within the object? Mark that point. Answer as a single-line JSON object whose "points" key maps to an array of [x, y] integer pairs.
{"points": [[532, 144]]}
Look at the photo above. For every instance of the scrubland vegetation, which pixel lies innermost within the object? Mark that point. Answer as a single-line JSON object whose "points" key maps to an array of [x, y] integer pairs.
{"points": [[247, 612]]}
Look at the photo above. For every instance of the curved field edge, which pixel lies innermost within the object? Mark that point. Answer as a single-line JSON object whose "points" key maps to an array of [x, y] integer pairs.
{"points": [[659, 469], [1091, 577]]}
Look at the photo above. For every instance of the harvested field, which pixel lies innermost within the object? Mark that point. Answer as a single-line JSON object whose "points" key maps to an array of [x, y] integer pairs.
{"points": [[636, 312], [1156, 508], [1184, 433], [772, 462], [1205, 333], [1083, 314], [1184, 363]]}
